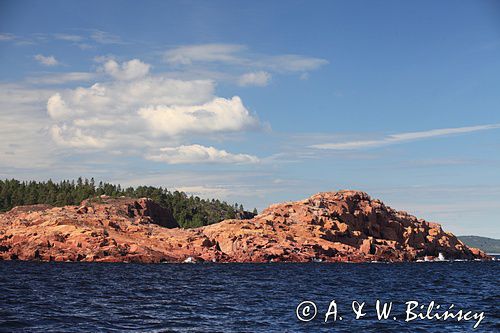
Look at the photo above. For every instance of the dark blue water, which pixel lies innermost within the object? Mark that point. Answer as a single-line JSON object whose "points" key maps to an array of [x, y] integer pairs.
{"points": [[91, 297]]}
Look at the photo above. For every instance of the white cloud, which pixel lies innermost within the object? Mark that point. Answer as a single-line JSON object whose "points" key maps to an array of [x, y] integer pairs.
{"points": [[120, 98], [104, 37], [6, 37], [23, 124], [56, 107], [218, 115], [68, 37], [403, 137], [132, 112], [61, 78], [247, 185], [441, 132], [136, 110], [205, 191], [46, 60], [186, 55], [128, 70], [260, 78], [103, 58], [15, 98], [238, 55], [74, 137], [292, 63], [108, 112], [85, 46], [199, 154]]}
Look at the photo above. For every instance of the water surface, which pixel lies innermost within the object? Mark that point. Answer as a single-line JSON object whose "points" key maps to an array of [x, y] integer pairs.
{"points": [[99, 297]]}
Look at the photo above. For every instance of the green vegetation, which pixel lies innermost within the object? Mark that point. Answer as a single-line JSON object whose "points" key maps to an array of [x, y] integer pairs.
{"points": [[488, 245], [189, 211]]}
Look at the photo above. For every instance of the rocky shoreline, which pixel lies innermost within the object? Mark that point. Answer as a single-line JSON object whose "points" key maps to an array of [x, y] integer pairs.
{"points": [[344, 226]]}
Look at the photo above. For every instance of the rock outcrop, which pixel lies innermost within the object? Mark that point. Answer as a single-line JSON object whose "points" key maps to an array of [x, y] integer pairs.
{"points": [[332, 226]]}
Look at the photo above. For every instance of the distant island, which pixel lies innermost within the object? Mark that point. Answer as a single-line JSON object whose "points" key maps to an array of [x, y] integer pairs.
{"points": [[343, 226], [488, 245]]}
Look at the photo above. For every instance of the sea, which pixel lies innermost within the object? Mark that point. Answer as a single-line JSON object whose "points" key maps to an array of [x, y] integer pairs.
{"points": [[275, 297]]}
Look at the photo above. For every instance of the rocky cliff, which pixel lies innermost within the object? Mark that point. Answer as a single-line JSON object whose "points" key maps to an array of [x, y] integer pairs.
{"points": [[331, 226]]}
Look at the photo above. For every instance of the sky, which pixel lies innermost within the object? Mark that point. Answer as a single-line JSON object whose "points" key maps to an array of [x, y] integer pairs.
{"points": [[259, 102]]}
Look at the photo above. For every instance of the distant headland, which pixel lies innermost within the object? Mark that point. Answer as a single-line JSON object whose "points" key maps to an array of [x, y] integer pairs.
{"points": [[343, 226], [486, 244]]}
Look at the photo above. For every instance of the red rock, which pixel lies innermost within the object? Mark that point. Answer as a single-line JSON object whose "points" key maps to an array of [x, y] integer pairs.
{"points": [[333, 226]]}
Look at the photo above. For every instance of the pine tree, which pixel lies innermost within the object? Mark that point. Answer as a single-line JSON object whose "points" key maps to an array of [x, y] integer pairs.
{"points": [[189, 211]]}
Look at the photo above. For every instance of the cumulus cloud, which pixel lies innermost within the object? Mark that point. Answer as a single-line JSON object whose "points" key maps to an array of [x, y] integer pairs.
{"points": [[218, 115], [119, 98], [110, 109], [74, 137], [46, 60], [137, 111], [403, 137], [56, 107], [260, 78], [128, 70], [190, 154]]}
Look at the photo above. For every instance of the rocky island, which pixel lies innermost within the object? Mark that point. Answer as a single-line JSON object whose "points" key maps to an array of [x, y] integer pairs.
{"points": [[343, 226]]}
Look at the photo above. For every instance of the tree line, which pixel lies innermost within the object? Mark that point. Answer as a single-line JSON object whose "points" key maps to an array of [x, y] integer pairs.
{"points": [[189, 211]]}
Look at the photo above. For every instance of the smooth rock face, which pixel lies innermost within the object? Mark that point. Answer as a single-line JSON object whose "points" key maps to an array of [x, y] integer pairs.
{"points": [[331, 226]]}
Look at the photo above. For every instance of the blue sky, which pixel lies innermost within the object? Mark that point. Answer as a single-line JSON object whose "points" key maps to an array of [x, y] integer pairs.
{"points": [[259, 102]]}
